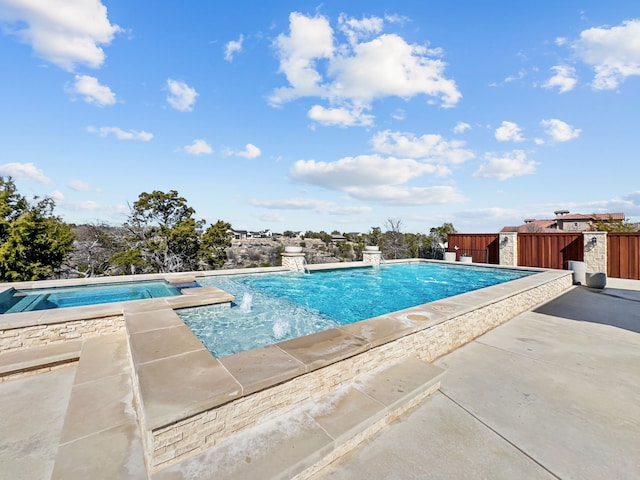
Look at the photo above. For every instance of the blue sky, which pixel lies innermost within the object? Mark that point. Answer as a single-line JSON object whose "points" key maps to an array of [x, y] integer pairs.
{"points": [[297, 115]]}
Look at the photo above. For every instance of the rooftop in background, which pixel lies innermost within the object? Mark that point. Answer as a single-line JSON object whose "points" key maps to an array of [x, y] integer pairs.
{"points": [[565, 222]]}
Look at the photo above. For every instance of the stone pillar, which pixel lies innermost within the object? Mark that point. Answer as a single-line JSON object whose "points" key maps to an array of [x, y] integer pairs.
{"points": [[293, 261], [595, 251], [372, 258], [508, 249]]}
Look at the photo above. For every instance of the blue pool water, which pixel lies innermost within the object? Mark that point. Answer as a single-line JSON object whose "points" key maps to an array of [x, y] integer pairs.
{"points": [[269, 308], [15, 301]]}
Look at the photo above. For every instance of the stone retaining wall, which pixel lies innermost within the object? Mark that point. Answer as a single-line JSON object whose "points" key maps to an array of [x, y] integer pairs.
{"points": [[38, 335], [190, 436]]}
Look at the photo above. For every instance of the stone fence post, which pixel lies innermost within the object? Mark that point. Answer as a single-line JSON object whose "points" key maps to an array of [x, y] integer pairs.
{"points": [[595, 251], [508, 249]]}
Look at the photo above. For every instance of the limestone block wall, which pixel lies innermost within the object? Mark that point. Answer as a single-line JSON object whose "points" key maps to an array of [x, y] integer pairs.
{"points": [[190, 436], [12, 339], [595, 253]]}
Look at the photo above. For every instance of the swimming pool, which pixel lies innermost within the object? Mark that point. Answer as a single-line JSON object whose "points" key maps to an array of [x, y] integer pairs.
{"points": [[270, 308], [16, 300]]}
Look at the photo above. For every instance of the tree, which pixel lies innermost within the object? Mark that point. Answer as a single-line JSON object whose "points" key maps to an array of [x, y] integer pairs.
{"points": [[394, 241], [434, 243], [214, 244], [374, 237], [33, 241], [164, 236], [439, 234], [163, 230], [611, 225], [93, 247]]}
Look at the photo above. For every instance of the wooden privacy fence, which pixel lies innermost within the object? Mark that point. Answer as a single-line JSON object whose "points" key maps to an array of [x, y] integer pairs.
{"points": [[483, 247], [550, 250], [623, 255]]}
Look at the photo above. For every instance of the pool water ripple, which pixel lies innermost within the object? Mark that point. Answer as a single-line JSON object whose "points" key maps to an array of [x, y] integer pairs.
{"points": [[290, 305]]}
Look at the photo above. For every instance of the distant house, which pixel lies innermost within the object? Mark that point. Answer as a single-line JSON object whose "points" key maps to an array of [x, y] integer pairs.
{"points": [[565, 222], [238, 234]]}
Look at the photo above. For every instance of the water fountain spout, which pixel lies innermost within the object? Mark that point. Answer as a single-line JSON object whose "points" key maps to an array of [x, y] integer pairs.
{"points": [[247, 301]]}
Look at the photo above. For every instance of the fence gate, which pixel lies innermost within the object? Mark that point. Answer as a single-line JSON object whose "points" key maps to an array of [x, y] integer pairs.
{"points": [[623, 255], [550, 250]]}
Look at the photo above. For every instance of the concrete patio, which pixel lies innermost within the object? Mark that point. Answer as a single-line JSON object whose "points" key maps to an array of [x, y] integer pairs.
{"points": [[553, 393]]}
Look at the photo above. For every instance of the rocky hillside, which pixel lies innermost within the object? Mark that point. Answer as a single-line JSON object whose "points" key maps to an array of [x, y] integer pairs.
{"points": [[265, 252]]}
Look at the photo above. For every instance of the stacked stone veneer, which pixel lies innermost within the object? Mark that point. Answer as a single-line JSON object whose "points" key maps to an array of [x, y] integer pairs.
{"points": [[12, 339], [372, 258], [595, 255], [508, 248], [293, 261], [172, 443]]}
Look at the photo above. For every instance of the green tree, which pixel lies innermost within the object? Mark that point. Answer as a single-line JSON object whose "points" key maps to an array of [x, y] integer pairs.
{"points": [[167, 238], [214, 244], [374, 237], [33, 241], [439, 234], [128, 261], [164, 231], [611, 225]]}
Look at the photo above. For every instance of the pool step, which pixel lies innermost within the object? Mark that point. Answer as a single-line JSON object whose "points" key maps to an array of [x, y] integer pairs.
{"points": [[100, 436], [300, 442], [14, 364]]}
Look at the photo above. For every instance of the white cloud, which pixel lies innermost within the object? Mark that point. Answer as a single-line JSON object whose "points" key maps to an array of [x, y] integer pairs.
{"points": [[91, 91], [430, 148], [24, 171], [65, 33], [400, 196], [564, 78], [408, 71], [461, 127], [509, 132], [319, 206], [232, 47], [198, 147], [356, 30], [613, 52], [560, 131], [519, 76], [121, 134], [310, 39], [511, 164], [352, 76], [181, 96], [250, 151], [79, 186], [342, 117], [292, 204], [272, 217], [360, 171], [56, 195], [399, 114]]}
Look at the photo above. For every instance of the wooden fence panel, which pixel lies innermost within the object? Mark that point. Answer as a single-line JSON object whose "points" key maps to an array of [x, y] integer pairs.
{"points": [[483, 247], [549, 250], [623, 255]]}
